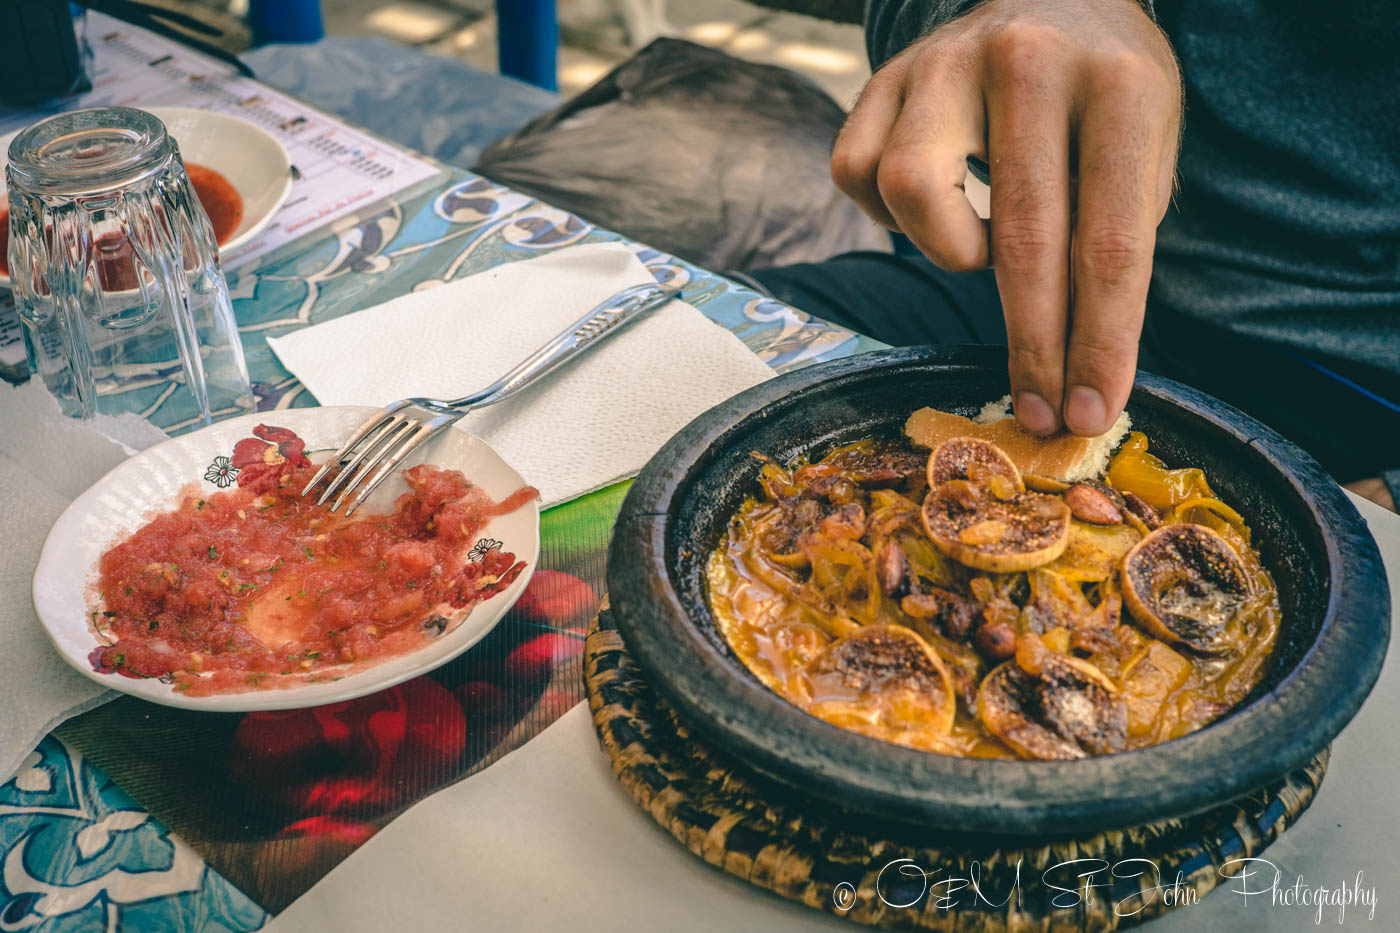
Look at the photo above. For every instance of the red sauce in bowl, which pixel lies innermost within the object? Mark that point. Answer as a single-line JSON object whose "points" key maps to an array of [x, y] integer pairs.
{"points": [[219, 198], [258, 587]]}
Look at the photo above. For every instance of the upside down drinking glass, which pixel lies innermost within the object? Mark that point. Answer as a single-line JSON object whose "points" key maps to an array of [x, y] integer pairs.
{"points": [[115, 271]]}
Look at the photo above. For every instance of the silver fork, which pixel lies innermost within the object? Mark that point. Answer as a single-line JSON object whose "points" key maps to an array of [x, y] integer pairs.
{"points": [[378, 446]]}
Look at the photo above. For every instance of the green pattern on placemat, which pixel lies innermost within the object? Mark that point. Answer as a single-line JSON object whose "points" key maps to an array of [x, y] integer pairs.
{"points": [[804, 850], [571, 529]]}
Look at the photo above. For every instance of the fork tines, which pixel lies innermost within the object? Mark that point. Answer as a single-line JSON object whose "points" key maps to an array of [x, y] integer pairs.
{"points": [[372, 453]]}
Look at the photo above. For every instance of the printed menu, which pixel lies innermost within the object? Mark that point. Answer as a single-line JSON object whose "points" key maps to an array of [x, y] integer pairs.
{"points": [[338, 168]]}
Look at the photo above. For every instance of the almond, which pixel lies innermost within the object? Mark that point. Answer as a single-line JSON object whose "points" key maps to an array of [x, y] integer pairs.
{"points": [[1090, 505], [894, 569]]}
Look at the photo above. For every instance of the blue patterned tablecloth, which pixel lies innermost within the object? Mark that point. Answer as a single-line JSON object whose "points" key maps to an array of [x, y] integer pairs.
{"points": [[78, 854]]}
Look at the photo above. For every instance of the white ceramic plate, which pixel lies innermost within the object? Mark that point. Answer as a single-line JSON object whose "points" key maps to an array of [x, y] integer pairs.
{"points": [[150, 482], [252, 160]]}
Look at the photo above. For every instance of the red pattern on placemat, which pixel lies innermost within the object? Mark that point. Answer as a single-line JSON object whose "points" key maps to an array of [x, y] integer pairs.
{"points": [[361, 758], [290, 794]]}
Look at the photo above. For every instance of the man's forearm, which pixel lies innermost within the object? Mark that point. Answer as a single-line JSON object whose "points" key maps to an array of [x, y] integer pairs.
{"points": [[891, 25]]}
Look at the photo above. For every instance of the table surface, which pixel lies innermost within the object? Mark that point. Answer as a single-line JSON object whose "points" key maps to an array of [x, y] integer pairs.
{"points": [[139, 817]]}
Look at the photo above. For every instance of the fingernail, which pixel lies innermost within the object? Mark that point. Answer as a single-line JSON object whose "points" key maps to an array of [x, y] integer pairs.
{"points": [[1085, 411], [1034, 413]]}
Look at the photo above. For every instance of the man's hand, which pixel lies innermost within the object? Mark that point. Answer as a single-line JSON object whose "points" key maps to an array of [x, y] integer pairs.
{"points": [[1043, 90]]}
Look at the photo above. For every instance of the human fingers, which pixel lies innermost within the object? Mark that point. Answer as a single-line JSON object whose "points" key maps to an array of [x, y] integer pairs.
{"points": [[855, 158], [1122, 145], [1029, 97], [924, 164]]}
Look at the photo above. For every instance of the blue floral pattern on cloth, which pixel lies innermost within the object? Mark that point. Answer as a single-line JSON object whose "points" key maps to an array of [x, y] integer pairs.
{"points": [[78, 854]]}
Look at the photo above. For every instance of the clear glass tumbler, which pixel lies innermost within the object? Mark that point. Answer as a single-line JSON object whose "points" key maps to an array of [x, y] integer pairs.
{"points": [[115, 271]]}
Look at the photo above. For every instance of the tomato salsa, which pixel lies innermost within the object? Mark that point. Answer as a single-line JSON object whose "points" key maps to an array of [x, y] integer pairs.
{"points": [[257, 587]]}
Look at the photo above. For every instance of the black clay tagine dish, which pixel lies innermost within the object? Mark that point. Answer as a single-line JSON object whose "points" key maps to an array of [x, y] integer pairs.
{"points": [[1332, 599]]}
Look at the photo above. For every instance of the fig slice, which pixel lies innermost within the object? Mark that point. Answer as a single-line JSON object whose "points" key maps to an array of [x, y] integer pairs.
{"points": [[1064, 709], [974, 526], [883, 680], [970, 458], [1183, 584]]}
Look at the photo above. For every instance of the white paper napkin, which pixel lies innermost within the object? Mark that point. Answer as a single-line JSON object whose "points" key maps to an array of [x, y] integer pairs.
{"points": [[68, 454], [46, 460], [546, 839], [595, 422], [38, 689]]}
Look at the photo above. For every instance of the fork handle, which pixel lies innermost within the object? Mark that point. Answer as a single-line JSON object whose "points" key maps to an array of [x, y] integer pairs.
{"points": [[593, 328]]}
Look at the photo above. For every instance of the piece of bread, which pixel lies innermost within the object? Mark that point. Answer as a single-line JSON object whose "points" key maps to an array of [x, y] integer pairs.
{"points": [[1063, 456]]}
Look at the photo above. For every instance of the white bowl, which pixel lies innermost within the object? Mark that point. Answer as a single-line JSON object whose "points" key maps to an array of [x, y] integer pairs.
{"points": [[150, 482], [250, 157]]}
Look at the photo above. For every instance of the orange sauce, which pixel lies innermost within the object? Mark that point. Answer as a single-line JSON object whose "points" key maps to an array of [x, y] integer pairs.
{"points": [[765, 608], [220, 199]]}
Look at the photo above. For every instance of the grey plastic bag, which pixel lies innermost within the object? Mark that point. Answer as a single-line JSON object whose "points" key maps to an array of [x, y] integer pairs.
{"points": [[717, 160]]}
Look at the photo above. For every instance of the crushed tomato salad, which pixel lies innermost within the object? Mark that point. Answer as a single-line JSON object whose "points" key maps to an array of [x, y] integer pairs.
{"points": [[257, 587]]}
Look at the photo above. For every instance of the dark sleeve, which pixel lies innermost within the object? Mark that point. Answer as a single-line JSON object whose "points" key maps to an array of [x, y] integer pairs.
{"points": [[890, 25]]}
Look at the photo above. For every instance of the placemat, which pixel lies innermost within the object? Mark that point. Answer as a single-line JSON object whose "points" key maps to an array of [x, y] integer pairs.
{"points": [[816, 854]]}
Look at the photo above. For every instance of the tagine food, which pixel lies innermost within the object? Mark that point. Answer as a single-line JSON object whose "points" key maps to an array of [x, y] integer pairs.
{"points": [[256, 587], [973, 590]]}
